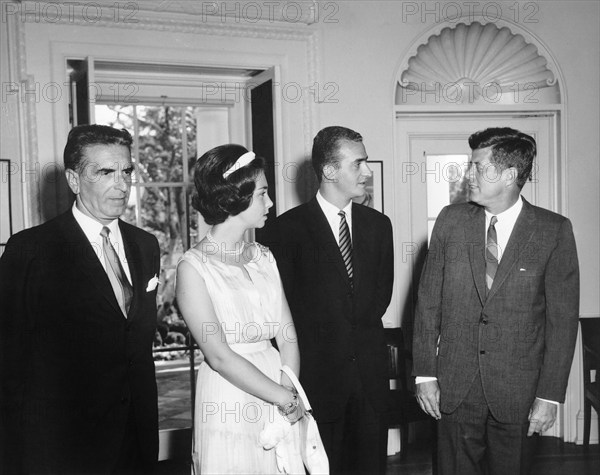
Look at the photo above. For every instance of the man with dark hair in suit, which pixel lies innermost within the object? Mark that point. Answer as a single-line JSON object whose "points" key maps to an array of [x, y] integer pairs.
{"points": [[78, 390], [497, 314], [336, 263]]}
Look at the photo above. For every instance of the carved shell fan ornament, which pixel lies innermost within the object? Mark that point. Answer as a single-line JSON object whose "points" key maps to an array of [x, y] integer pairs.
{"points": [[468, 59]]}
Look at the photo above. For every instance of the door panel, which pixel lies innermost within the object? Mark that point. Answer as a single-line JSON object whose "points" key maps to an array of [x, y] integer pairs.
{"points": [[439, 149]]}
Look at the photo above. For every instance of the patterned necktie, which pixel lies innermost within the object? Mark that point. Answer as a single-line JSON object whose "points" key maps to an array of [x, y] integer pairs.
{"points": [[346, 245], [118, 280], [491, 253]]}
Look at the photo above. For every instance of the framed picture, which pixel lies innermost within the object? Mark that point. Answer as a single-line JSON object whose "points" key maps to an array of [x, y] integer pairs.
{"points": [[373, 197], [5, 210]]}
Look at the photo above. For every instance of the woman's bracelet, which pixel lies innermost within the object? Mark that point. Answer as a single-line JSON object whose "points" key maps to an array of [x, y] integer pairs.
{"points": [[287, 409]]}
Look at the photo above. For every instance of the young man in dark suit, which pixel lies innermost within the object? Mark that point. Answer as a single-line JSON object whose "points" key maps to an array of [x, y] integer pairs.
{"points": [[78, 391], [497, 315], [337, 273]]}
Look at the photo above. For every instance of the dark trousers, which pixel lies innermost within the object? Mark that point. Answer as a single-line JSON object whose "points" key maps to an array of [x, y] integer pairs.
{"points": [[472, 442], [130, 460], [356, 443]]}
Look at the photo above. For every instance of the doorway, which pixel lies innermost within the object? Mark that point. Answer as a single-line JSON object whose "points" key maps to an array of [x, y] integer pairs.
{"points": [[433, 154]]}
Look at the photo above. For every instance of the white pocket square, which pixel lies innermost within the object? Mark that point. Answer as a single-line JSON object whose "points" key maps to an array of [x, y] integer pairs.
{"points": [[152, 283]]}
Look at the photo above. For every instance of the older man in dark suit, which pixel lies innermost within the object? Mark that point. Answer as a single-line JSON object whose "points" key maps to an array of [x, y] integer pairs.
{"points": [[497, 315], [336, 263], [78, 391]]}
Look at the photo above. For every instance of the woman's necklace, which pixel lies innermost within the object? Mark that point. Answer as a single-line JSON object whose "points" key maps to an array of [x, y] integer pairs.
{"points": [[239, 249]]}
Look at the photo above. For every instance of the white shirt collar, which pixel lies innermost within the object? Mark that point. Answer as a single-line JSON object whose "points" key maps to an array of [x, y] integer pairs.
{"points": [[92, 228], [509, 215], [331, 213], [505, 225]]}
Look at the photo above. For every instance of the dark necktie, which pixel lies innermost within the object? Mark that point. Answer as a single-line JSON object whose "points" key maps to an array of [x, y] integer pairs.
{"points": [[491, 254], [118, 280], [346, 244]]}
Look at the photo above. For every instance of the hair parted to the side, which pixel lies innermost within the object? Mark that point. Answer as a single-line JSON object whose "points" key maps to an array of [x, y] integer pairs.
{"points": [[326, 145], [510, 148], [83, 136], [217, 198]]}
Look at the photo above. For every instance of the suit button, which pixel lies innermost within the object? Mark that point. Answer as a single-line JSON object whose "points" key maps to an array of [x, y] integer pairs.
{"points": [[482, 352], [352, 358], [484, 321]]}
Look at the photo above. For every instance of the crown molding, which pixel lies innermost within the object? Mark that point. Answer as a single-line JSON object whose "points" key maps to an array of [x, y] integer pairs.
{"points": [[173, 16]]}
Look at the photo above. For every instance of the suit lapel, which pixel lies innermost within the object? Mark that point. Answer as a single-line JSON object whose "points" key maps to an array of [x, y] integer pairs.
{"points": [[134, 262], [325, 239], [359, 240], [474, 237], [87, 261], [521, 234]]}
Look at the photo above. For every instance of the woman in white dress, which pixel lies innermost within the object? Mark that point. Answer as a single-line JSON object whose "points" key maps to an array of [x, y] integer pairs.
{"points": [[231, 297]]}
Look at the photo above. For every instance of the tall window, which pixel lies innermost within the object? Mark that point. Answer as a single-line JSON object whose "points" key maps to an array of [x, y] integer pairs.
{"points": [[166, 142]]}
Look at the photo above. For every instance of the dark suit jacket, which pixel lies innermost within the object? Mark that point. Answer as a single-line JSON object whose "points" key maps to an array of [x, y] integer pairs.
{"points": [[521, 338], [71, 363], [339, 327]]}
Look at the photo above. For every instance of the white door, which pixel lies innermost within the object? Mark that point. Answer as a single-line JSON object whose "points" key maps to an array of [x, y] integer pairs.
{"points": [[438, 153]]}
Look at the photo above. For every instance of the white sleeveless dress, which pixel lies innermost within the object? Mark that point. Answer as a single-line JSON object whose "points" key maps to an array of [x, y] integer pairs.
{"points": [[227, 420]]}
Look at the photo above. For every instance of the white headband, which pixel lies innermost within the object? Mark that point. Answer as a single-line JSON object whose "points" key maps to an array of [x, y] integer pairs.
{"points": [[239, 163]]}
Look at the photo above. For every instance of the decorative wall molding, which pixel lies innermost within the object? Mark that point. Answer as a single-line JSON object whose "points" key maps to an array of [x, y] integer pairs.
{"points": [[27, 122], [479, 55], [464, 59], [284, 12], [105, 15]]}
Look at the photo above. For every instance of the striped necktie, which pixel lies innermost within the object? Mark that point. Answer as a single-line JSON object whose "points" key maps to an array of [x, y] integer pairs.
{"points": [[118, 280], [491, 253], [346, 245]]}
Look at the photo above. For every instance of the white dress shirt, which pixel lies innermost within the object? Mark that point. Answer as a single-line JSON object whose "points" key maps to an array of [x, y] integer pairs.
{"points": [[505, 225], [331, 213], [92, 228]]}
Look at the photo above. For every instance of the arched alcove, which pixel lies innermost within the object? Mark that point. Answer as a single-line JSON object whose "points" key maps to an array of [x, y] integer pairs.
{"points": [[475, 64], [455, 79]]}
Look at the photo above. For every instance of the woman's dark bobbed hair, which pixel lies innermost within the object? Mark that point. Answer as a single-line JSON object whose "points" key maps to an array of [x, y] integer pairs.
{"points": [[217, 198]]}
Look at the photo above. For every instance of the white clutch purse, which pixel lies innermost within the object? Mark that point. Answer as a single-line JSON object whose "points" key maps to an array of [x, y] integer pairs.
{"points": [[311, 446], [296, 446]]}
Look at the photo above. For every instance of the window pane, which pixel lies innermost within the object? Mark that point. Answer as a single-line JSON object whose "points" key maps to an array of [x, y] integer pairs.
{"points": [[162, 212], [446, 183], [160, 143], [118, 116], [212, 124]]}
